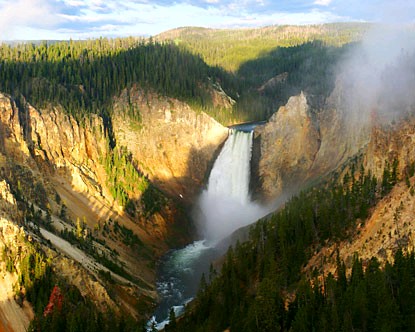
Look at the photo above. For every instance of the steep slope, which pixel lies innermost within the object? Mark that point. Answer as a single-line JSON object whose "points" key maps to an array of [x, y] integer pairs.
{"points": [[285, 148], [51, 163], [299, 145], [283, 267], [14, 317], [174, 145], [229, 48], [67, 181], [390, 225]]}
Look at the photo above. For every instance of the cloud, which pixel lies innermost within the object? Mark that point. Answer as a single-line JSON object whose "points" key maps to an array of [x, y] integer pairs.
{"points": [[75, 3], [26, 13], [23, 19], [322, 2]]}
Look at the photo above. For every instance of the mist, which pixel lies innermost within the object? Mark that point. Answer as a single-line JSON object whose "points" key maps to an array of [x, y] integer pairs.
{"points": [[220, 216], [376, 79]]}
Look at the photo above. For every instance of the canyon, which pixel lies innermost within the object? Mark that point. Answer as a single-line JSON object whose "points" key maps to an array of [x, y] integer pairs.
{"points": [[46, 153], [97, 197]]}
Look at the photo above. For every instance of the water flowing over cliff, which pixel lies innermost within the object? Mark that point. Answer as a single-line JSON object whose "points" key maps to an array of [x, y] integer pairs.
{"points": [[231, 173], [225, 205]]}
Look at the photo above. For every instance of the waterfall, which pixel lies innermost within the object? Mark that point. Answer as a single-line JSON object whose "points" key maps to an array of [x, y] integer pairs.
{"points": [[231, 172], [225, 205]]}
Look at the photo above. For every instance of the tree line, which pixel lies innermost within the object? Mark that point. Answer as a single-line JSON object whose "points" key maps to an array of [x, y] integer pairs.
{"points": [[85, 76]]}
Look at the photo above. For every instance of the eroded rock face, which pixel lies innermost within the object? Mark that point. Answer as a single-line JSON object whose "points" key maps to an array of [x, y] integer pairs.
{"points": [[57, 163], [389, 226], [288, 145], [173, 145], [52, 161], [298, 145], [12, 139], [391, 142], [51, 139]]}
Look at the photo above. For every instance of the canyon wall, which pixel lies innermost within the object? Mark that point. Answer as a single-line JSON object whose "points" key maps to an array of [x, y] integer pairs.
{"points": [[56, 166], [298, 145], [174, 145]]}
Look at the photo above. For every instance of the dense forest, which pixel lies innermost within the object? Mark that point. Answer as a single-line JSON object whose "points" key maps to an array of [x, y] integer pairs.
{"points": [[231, 48], [273, 63], [84, 76], [257, 278], [371, 299], [249, 292]]}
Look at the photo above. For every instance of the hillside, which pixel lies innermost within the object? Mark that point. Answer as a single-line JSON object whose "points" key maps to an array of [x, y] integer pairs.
{"points": [[353, 220], [338, 255], [266, 66], [97, 220], [231, 48], [93, 144]]}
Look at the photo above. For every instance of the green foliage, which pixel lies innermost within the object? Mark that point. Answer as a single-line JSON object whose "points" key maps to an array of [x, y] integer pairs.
{"points": [[85, 243], [36, 216], [153, 200], [389, 177], [79, 314], [411, 169], [83, 77], [230, 49], [171, 326], [8, 258], [372, 299], [124, 179], [129, 238], [41, 197], [249, 292], [269, 65]]}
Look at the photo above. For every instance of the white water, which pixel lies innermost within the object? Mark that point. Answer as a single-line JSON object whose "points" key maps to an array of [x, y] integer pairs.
{"points": [[225, 205], [222, 208], [179, 278], [231, 172]]}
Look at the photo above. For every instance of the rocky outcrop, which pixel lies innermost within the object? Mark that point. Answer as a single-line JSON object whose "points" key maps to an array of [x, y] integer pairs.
{"points": [[391, 142], [51, 140], [55, 163], [12, 140], [13, 316], [173, 145], [61, 140], [288, 143], [298, 145], [55, 166]]}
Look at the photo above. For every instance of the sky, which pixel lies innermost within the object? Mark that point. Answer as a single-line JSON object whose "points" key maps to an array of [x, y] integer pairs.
{"points": [[82, 19]]}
